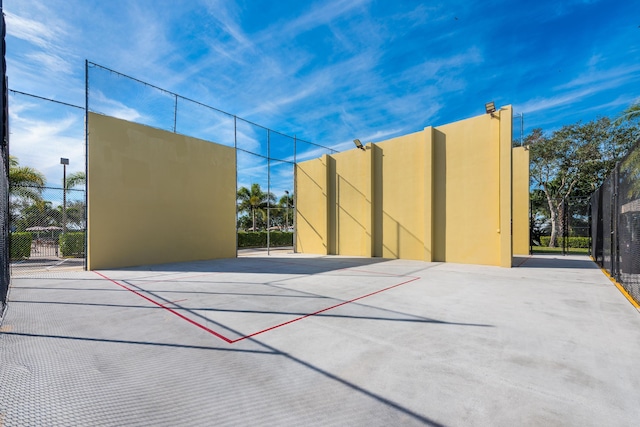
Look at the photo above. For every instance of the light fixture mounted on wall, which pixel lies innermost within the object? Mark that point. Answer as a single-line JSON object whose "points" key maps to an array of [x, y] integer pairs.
{"points": [[490, 108], [358, 144]]}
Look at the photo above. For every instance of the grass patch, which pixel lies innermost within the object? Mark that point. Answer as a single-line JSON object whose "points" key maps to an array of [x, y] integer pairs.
{"points": [[570, 251]]}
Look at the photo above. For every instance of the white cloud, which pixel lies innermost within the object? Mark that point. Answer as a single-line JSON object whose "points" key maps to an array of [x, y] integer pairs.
{"points": [[603, 77], [32, 31], [39, 141], [586, 87], [102, 104], [323, 13], [51, 63]]}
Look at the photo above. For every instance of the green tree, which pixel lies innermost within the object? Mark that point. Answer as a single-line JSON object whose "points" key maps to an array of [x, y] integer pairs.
{"points": [[285, 205], [254, 201], [75, 212], [75, 179], [631, 114], [25, 183], [574, 161], [75, 215], [38, 214]]}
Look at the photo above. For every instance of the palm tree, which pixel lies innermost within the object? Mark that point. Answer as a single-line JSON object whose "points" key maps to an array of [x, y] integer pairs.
{"points": [[630, 114], [75, 179], [286, 204], [253, 201], [25, 182]]}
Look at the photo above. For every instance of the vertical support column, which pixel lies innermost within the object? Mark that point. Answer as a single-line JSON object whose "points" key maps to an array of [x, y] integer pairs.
{"points": [[235, 151], [331, 206], [86, 164], [520, 202], [428, 194], [175, 114], [504, 136], [369, 199], [377, 210], [268, 191], [295, 193]]}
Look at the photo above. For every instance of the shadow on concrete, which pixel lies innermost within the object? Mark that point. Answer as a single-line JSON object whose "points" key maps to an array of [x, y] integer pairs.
{"points": [[410, 318], [554, 261], [45, 265], [262, 265], [158, 344], [301, 265], [355, 387]]}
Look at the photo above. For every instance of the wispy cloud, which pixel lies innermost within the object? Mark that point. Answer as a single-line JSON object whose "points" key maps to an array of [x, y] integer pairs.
{"points": [[321, 13], [38, 139], [104, 105], [594, 76], [329, 71], [35, 32], [51, 63], [582, 87]]}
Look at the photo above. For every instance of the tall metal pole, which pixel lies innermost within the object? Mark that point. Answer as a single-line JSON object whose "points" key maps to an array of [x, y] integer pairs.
{"points": [[268, 191], [86, 163], [295, 188], [175, 115], [64, 162], [286, 219], [235, 148]]}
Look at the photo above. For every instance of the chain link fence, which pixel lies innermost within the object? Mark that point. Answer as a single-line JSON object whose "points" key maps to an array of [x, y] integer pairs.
{"points": [[47, 215], [615, 223], [4, 171], [47, 233], [517, 126], [265, 158]]}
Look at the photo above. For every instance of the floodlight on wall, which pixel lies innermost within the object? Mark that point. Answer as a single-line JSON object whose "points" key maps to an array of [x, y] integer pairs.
{"points": [[490, 108], [358, 144]]}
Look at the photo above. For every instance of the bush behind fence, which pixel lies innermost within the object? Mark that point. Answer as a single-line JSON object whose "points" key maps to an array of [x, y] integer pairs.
{"points": [[258, 239], [20, 244], [572, 242]]}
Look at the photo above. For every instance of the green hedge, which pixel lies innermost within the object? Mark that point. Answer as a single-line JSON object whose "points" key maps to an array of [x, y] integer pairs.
{"points": [[573, 242], [20, 244], [72, 244], [258, 239]]}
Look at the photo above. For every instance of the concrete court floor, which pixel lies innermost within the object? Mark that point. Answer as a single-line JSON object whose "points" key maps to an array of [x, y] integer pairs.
{"points": [[550, 343]]}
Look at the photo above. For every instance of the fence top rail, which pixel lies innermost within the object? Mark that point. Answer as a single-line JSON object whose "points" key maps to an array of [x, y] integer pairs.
{"points": [[45, 99], [44, 187], [93, 64]]}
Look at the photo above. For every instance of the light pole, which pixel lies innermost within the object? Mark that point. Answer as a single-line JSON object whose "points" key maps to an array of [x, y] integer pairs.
{"points": [[287, 211], [64, 162]]}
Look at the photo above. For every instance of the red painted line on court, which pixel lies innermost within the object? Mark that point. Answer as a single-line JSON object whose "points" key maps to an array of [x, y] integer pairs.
{"points": [[323, 310], [211, 331], [230, 341]]}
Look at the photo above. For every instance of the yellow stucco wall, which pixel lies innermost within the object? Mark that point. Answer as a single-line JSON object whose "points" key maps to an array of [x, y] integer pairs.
{"points": [[353, 196], [442, 194], [312, 206], [520, 201], [157, 197], [405, 196], [474, 184]]}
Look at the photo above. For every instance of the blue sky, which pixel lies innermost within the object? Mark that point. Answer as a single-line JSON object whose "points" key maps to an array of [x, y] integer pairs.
{"points": [[325, 71]]}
